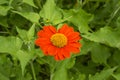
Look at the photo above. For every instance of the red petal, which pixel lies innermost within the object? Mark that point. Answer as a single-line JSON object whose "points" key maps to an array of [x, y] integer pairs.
{"points": [[45, 48], [42, 41], [52, 50], [61, 57], [40, 33], [48, 29], [65, 53], [74, 37], [56, 57], [65, 29], [73, 49], [59, 54], [53, 29], [44, 34], [75, 44], [45, 52]]}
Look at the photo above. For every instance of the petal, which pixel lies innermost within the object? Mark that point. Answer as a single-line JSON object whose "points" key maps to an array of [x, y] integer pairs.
{"points": [[44, 34], [74, 36], [45, 48], [40, 33], [56, 57], [47, 32], [73, 49], [75, 44], [42, 41], [59, 54], [49, 29], [52, 50], [66, 29], [61, 57], [45, 52], [63, 28], [74, 40], [65, 53], [53, 29]]}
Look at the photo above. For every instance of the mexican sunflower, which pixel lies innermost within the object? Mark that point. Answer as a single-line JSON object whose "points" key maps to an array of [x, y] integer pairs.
{"points": [[58, 43]]}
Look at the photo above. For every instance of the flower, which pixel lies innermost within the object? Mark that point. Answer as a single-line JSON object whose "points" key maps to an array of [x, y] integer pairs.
{"points": [[58, 43]]}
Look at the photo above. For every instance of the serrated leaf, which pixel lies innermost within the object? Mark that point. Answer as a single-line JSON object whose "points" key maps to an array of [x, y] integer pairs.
{"points": [[31, 31], [30, 2], [31, 16], [103, 75], [79, 18], [50, 12], [100, 53], [105, 35]]}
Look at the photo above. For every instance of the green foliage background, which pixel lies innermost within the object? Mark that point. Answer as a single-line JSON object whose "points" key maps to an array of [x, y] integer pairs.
{"points": [[98, 21]]}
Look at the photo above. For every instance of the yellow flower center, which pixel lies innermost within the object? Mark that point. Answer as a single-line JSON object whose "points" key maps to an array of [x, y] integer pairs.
{"points": [[58, 40]]}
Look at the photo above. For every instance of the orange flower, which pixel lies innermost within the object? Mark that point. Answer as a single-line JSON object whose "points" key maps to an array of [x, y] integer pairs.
{"points": [[58, 43]]}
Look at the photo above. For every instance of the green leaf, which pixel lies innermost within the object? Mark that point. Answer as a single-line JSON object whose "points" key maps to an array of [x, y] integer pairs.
{"points": [[116, 56], [50, 12], [31, 31], [79, 18], [10, 45], [32, 16], [62, 76], [86, 47], [30, 2], [3, 1], [105, 35], [81, 77], [3, 21], [117, 76], [39, 52], [62, 67], [118, 22], [78, 76], [26, 35], [24, 57], [3, 77], [28, 77], [22, 33], [100, 53], [5, 67], [103, 75], [4, 10]]}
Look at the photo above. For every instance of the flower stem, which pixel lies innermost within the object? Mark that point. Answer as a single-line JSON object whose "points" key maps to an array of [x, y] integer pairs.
{"points": [[33, 71]]}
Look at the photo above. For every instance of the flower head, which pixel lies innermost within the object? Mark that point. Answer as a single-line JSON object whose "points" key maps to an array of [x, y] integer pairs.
{"points": [[58, 43]]}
